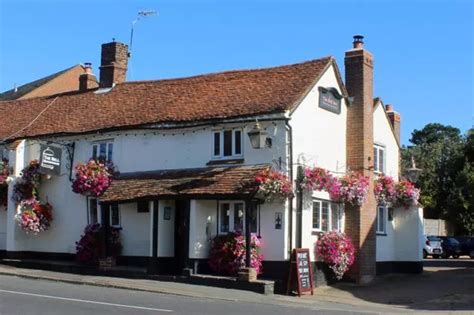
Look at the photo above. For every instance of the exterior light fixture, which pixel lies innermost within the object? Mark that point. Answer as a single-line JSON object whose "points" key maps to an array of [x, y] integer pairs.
{"points": [[258, 136], [413, 173]]}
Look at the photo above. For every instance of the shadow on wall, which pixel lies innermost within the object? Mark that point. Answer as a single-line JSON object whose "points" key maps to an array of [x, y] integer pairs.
{"points": [[437, 289]]}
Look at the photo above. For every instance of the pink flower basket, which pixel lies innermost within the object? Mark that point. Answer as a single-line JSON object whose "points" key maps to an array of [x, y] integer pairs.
{"points": [[336, 249]]}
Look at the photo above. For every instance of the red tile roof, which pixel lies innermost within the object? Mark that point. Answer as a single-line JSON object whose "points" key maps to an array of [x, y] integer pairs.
{"points": [[208, 182], [130, 104]]}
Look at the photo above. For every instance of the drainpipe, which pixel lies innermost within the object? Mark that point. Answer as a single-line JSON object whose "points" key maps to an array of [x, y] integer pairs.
{"points": [[290, 175]]}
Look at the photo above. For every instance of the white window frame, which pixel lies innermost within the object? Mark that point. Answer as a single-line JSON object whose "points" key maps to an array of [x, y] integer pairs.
{"points": [[234, 155], [332, 206], [89, 209], [107, 143], [382, 231], [119, 225], [232, 204], [377, 149]]}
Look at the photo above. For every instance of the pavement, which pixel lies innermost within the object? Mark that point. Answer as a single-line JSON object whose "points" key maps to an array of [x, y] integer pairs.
{"points": [[439, 289]]}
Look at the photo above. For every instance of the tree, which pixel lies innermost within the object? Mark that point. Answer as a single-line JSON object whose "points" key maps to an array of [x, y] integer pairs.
{"points": [[446, 158]]}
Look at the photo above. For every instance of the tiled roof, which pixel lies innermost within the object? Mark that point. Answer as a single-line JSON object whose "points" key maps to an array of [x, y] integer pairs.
{"points": [[29, 87], [130, 104], [208, 182]]}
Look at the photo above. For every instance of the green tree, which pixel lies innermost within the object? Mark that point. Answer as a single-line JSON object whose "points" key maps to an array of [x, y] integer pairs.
{"points": [[446, 182]]}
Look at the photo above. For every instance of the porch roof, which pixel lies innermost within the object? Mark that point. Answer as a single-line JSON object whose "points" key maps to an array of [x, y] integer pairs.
{"points": [[212, 181]]}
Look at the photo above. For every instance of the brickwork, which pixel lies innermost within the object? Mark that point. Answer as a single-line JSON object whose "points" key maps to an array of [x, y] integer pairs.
{"points": [[66, 82], [360, 221], [395, 121], [113, 64]]}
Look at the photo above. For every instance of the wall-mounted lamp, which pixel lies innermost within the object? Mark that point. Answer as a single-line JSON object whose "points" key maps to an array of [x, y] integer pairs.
{"points": [[259, 137]]}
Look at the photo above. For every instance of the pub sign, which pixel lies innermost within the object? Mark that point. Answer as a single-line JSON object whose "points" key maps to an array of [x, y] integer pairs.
{"points": [[50, 160], [330, 99]]}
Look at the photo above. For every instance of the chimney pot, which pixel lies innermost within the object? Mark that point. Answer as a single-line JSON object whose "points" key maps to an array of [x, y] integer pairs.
{"points": [[358, 41], [87, 67], [87, 80], [389, 108]]}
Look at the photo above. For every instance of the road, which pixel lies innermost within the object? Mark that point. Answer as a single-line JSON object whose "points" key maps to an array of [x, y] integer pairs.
{"points": [[29, 296]]}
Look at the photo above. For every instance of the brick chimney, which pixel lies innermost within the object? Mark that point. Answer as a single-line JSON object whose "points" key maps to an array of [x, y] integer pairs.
{"points": [[113, 64], [87, 80], [360, 220], [394, 120]]}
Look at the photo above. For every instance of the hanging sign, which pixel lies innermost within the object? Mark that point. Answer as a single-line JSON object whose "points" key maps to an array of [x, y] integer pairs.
{"points": [[330, 99], [301, 272], [50, 160]]}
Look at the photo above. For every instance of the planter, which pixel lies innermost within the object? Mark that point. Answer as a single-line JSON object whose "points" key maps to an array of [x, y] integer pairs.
{"points": [[107, 263]]}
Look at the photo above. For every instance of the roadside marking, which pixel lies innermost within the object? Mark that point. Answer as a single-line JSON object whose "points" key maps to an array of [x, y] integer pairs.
{"points": [[87, 301]]}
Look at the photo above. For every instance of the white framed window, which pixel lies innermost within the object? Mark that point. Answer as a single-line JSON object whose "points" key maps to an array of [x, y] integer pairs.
{"points": [[227, 143], [232, 217], [381, 220], [379, 158], [326, 216], [103, 150], [115, 216], [93, 211]]}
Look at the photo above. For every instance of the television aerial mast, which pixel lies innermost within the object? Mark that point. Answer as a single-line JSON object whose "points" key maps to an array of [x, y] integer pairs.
{"points": [[141, 14]]}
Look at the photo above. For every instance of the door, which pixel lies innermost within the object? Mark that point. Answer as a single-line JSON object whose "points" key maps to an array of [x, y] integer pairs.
{"points": [[181, 235]]}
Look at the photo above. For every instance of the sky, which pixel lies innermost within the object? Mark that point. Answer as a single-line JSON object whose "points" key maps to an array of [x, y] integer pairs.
{"points": [[423, 50]]}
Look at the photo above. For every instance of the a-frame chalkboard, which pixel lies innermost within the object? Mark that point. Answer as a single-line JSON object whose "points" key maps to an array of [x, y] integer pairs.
{"points": [[301, 272]]}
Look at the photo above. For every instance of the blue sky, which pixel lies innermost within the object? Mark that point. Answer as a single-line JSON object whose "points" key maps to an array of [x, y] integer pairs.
{"points": [[423, 49]]}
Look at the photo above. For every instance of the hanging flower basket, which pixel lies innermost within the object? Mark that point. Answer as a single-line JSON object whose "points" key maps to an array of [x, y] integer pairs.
{"points": [[227, 254], [406, 194], [353, 188], [336, 250], [273, 185], [93, 178], [26, 187], [34, 217], [91, 248], [4, 179], [384, 190], [316, 178]]}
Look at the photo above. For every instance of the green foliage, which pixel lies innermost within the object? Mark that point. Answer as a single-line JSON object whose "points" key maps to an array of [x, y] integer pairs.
{"points": [[447, 180]]}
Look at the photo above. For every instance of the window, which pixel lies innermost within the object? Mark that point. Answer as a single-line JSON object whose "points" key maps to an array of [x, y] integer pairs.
{"points": [[103, 150], [381, 220], [93, 216], [326, 216], [227, 144], [379, 159], [114, 216], [232, 217]]}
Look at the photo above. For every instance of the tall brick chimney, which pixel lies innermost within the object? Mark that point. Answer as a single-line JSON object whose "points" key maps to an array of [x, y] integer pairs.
{"points": [[360, 221], [394, 120], [87, 80], [113, 64]]}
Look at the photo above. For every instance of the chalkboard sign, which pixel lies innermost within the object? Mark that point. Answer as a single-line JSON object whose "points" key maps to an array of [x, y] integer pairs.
{"points": [[301, 271]]}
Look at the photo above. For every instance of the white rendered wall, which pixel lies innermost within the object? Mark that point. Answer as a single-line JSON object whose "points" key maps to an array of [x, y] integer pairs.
{"points": [[203, 215], [383, 135], [319, 139], [135, 234]]}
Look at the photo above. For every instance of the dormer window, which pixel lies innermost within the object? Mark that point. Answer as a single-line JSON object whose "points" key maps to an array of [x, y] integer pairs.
{"points": [[227, 144], [103, 150]]}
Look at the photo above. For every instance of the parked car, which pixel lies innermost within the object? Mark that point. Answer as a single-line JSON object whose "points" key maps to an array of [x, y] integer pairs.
{"points": [[432, 247], [451, 247], [467, 245]]}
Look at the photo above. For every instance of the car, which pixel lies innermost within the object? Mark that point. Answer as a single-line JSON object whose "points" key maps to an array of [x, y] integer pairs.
{"points": [[432, 247], [451, 247], [467, 245]]}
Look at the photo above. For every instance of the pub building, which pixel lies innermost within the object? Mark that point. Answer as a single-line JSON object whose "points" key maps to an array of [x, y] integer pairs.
{"points": [[188, 151]]}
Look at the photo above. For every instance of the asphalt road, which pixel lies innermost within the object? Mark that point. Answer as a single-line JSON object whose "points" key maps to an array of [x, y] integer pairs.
{"points": [[28, 296]]}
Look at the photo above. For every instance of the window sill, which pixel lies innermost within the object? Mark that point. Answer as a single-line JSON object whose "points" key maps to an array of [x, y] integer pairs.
{"points": [[381, 233], [317, 232], [226, 162]]}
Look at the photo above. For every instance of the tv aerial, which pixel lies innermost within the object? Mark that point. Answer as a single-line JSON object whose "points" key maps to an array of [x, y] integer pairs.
{"points": [[141, 14]]}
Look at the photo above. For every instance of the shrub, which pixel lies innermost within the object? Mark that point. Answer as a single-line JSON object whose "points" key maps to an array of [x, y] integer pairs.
{"points": [[91, 246], [336, 249], [227, 254]]}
